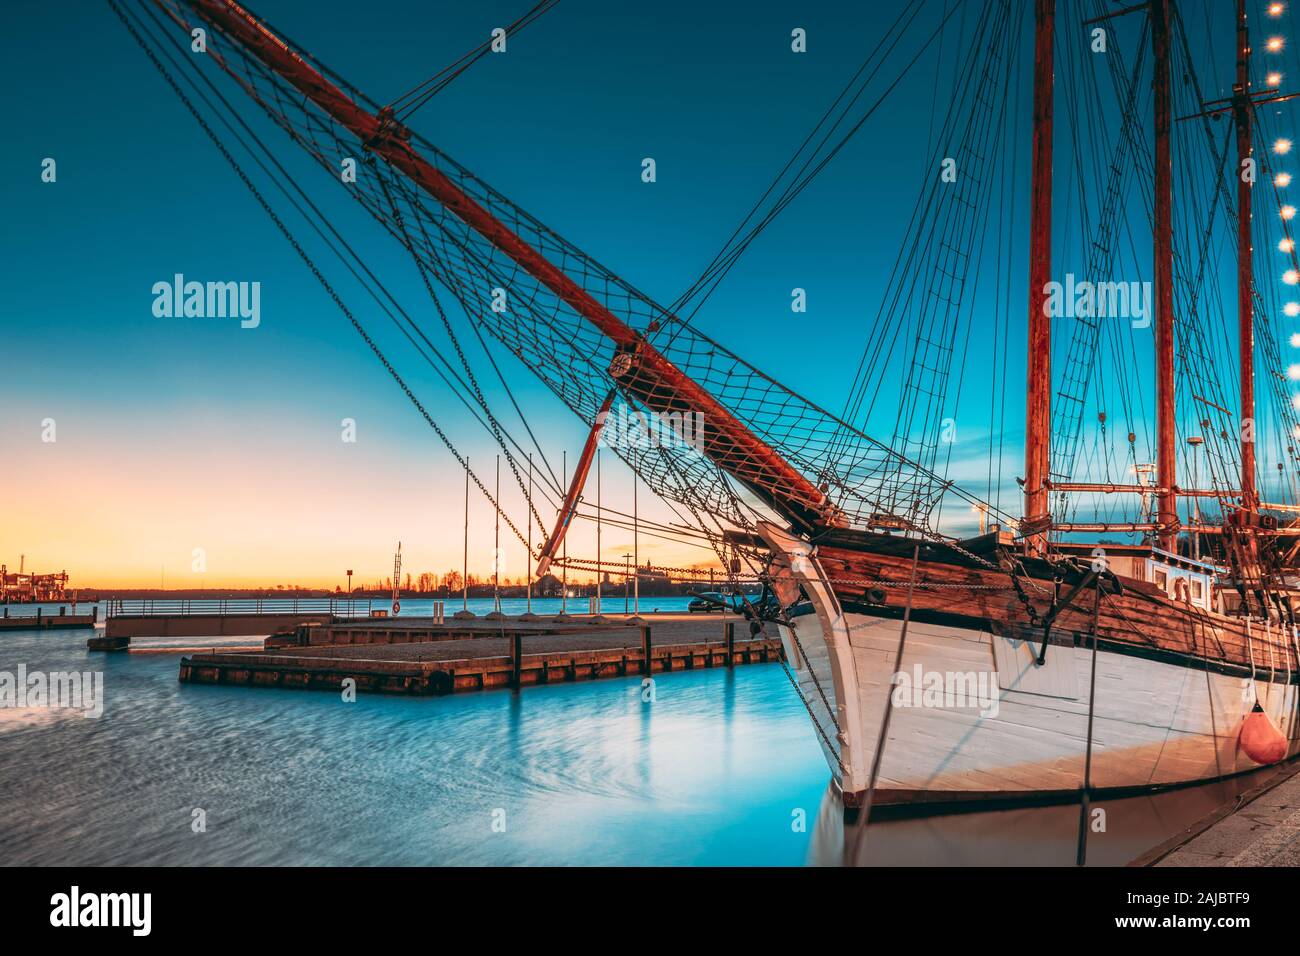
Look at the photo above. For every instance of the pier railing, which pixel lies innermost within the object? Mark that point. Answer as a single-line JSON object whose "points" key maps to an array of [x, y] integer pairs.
{"points": [[184, 607]]}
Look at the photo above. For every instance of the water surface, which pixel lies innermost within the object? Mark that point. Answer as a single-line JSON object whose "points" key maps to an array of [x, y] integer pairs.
{"points": [[720, 768]]}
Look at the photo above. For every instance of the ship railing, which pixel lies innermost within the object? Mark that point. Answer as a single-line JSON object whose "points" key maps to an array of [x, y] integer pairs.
{"points": [[185, 607]]}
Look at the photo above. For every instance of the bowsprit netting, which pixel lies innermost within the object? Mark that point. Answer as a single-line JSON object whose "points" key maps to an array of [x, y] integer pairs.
{"points": [[577, 325]]}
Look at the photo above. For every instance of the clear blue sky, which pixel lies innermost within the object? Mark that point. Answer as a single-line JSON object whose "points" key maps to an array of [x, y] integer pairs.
{"points": [[174, 432]]}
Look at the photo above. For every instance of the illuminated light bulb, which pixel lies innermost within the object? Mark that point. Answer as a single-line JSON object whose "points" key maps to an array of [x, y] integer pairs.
{"points": [[1291, 277], [1292, 309], [1288, 212], [1295, 432], [1282, 179], [1275, 9], [1274, 45], [1286, 245], [1282, 146], [1295, 340], [1293, 373], [1295, 402], [1274, 79]]}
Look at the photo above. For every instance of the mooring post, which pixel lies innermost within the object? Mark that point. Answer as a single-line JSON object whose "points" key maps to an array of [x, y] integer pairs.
{"points": [[645, 649], [517, 653], [729, 629]]}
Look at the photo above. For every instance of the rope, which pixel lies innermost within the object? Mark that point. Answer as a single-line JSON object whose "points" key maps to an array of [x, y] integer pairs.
{"points": [[404, 106], [1082, 855], [451, 334], [302, 253]]}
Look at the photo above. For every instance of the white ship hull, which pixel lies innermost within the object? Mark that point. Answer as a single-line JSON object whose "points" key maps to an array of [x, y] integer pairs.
{"points": [[1154, 723]]}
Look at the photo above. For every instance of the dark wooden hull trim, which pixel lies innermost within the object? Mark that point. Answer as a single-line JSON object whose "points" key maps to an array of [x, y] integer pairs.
{"points": [[1066, 638], [890, 804]]}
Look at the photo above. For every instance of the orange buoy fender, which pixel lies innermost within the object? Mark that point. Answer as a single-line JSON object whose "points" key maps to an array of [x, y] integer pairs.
{"points": [[1262, 742]]}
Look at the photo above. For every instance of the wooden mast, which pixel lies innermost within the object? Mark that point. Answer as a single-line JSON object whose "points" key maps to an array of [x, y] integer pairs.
{"points": [[1242, 114], [1038, 400], [1166, 472]]}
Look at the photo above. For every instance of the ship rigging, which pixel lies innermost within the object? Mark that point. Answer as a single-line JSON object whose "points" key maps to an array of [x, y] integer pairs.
{"points": [[846, 529]]}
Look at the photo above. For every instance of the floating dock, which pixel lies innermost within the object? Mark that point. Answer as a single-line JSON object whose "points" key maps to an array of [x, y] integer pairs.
{"points": [[420, 657]]}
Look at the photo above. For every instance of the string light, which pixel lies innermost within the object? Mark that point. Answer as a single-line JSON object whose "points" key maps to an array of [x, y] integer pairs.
{"points": [[1293, 373], [1281, 180]]}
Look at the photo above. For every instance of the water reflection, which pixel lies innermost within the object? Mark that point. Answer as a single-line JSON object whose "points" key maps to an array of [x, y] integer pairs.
{"points": [[717, 770], [1035, 836]]}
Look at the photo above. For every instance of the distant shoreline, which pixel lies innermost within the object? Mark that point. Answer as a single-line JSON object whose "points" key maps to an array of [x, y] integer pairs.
{"points": [[89, 595]]}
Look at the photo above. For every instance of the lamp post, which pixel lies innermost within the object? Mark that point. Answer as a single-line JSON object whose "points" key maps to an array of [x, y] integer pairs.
{"points": [[350, 614]]}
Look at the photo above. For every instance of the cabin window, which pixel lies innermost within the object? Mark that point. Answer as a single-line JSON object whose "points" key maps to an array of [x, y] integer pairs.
{"points": [[1161, 579], [1198, 589]]}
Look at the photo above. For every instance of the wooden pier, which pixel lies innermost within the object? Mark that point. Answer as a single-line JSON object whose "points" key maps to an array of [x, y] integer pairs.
{"points": [[217, 618], [45, 621], [421, 658]]}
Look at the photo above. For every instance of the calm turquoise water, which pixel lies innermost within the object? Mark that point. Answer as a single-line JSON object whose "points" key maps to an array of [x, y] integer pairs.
{"points": [[715, 770], [710, 772]]}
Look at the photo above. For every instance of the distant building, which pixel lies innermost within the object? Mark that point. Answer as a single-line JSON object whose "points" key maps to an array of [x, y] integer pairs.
{"points": [[548, 585], [652, 583], [24, 587], [648, 575]]}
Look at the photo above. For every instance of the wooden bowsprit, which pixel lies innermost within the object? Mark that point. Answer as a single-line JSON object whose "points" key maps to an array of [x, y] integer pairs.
{"points": [[638, 366]]}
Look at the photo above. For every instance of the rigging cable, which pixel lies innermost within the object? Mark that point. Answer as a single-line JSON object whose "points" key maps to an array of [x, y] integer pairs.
{"points": [[405, 105], [302, 253]]}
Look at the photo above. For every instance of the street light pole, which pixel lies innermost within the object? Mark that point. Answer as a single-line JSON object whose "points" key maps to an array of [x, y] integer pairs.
{"points": [[564, 573], [530, 532], [636, 545]]}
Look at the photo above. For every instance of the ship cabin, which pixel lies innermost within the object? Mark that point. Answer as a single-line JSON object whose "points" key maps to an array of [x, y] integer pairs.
{"points": [[1182, 578]]}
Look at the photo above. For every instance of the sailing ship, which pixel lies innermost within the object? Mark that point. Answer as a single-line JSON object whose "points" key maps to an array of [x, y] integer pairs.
{"points": [[1120, 667]]}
